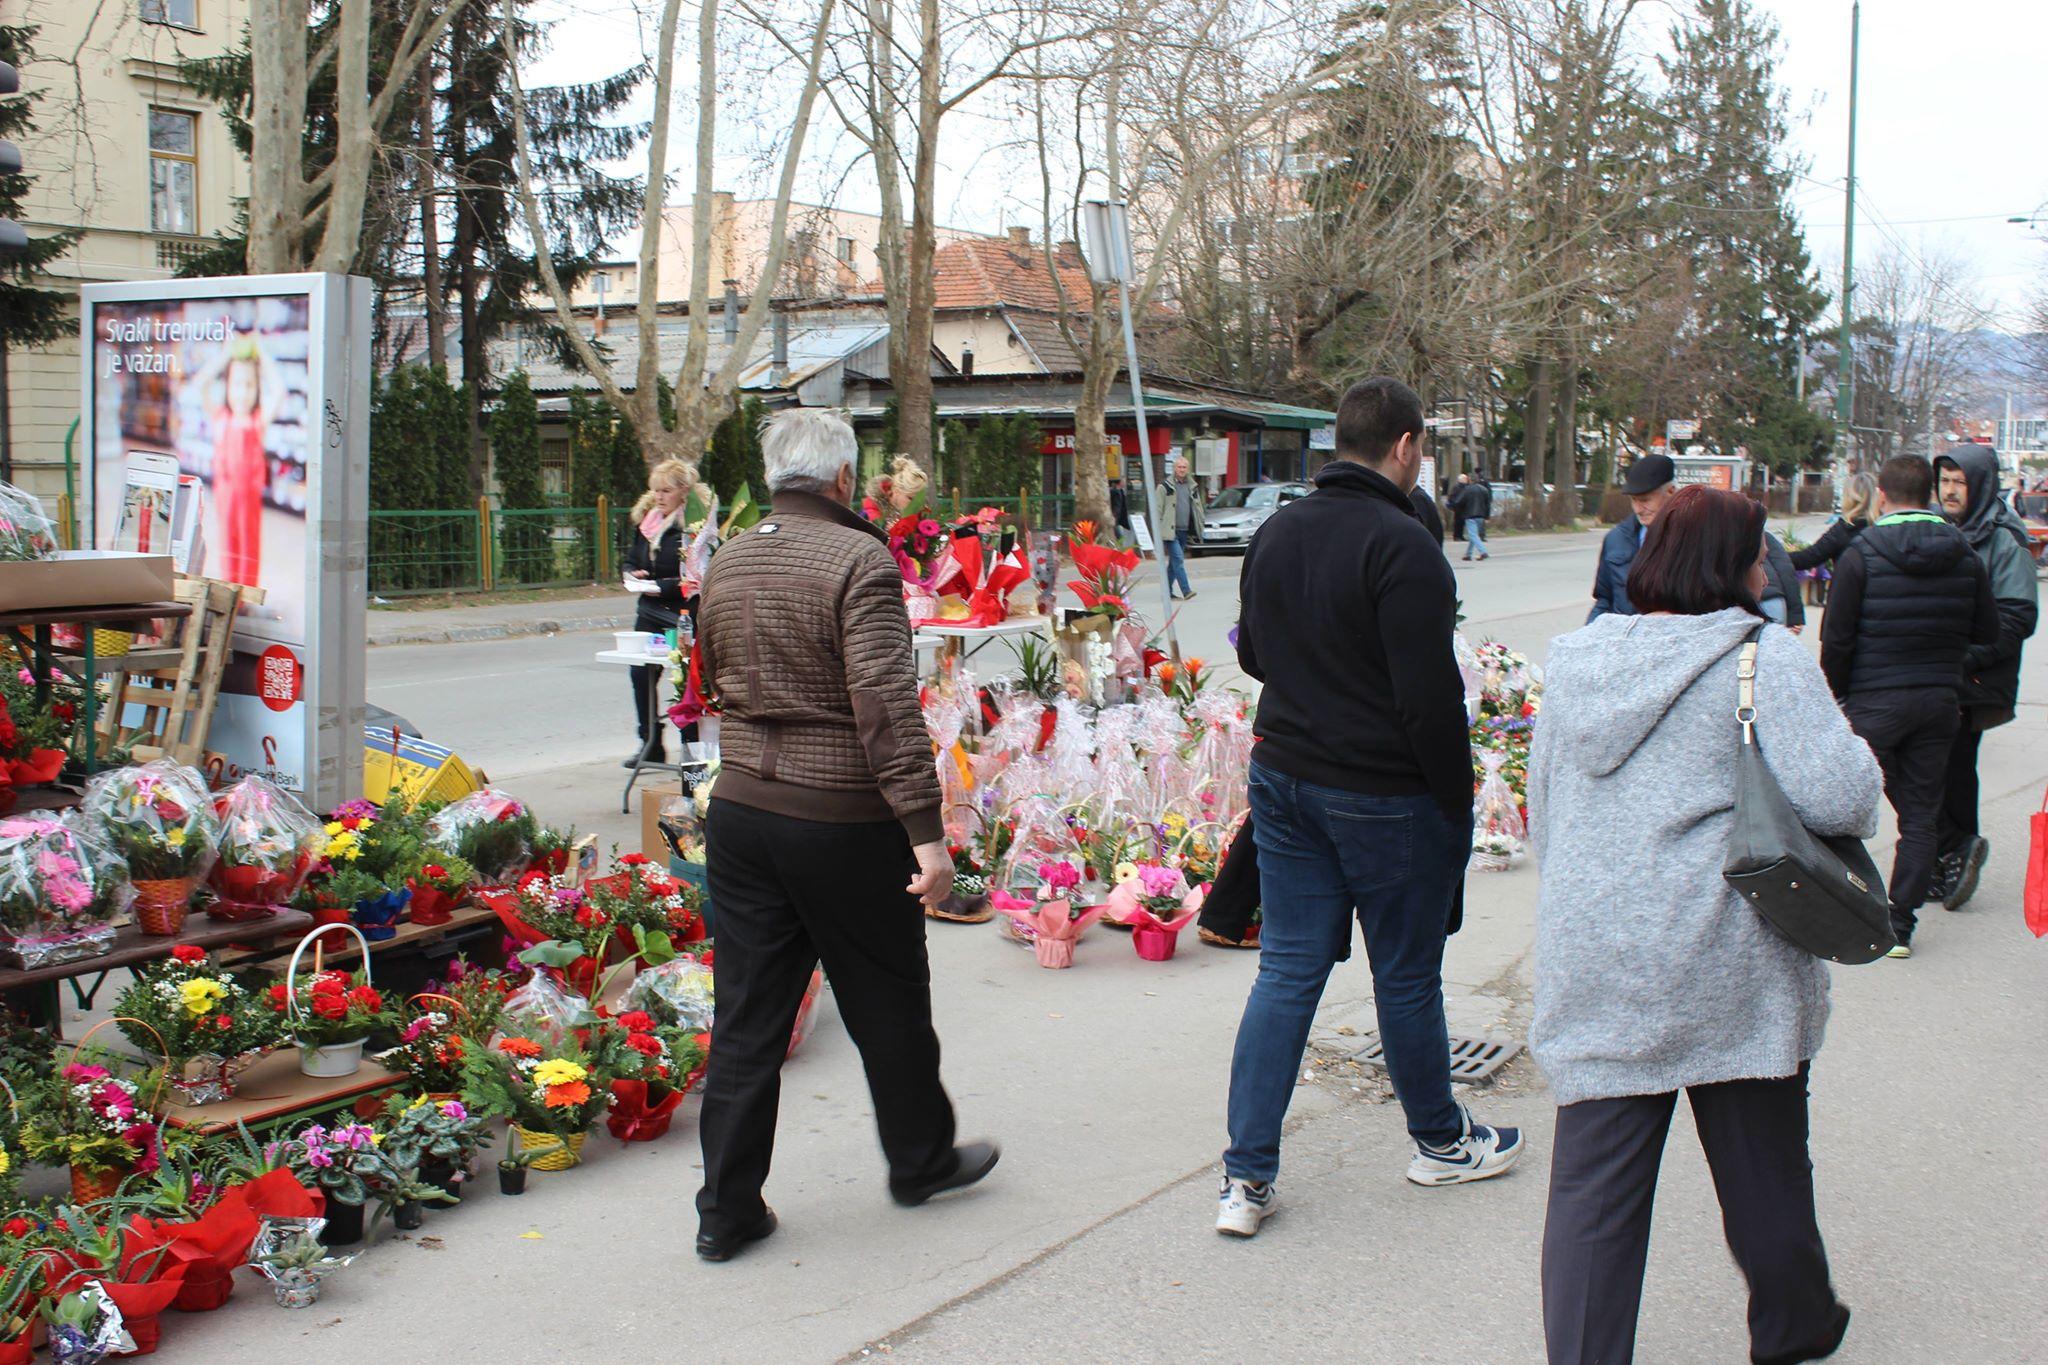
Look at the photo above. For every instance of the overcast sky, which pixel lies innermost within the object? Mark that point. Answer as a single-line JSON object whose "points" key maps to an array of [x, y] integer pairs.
{"points": [[1951, 109]]}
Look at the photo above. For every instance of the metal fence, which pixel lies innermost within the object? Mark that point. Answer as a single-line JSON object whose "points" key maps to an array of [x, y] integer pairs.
{"points": [[485, 548]]}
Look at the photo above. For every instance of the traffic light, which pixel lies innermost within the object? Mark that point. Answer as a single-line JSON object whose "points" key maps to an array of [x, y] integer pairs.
{"points": [[13, 237]]}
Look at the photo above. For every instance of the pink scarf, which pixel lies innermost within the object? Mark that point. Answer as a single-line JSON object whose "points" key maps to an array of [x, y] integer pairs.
{"points": [[653, 524]]}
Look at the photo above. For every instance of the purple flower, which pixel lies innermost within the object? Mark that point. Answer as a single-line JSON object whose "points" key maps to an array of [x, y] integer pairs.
{"points": [[453, 1110]]}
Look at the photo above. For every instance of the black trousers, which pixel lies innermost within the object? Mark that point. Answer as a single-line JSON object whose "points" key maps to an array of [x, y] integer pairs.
{"points": [[791, 893], [1596, 1236], [1234, 896], [1912, 731], [1958, 822]]}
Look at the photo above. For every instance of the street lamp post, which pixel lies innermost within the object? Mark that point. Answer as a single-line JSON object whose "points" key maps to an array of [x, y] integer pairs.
{"points": [[1109, 262], [1845, 380]]}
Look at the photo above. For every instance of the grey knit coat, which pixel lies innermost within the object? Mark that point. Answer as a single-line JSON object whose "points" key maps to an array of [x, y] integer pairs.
{"points": [[1650, 974]]}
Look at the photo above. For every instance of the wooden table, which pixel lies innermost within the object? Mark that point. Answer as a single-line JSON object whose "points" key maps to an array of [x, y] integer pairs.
{"points": [[462, 917], [30, 631], [273, 1088], [132, 946]]}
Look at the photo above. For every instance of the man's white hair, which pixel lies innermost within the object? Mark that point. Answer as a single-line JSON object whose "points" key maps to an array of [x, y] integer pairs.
{"points": [[806, 449]]}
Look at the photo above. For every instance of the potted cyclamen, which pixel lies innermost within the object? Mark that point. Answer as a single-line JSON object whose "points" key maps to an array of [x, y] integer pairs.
{"points": [[1156, 903], [1050, 924], [349, 1166], [207, 1025], [160, 819], [331, 1016], [434, 1142]]}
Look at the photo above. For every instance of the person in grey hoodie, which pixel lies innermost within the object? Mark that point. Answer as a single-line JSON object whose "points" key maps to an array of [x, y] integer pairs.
{"points": [[1652, 975], [1967, 478]]}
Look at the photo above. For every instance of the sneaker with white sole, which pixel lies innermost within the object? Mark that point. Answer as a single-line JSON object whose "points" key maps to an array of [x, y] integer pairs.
{"points": [[1483, 1152], [1242, 1205]]}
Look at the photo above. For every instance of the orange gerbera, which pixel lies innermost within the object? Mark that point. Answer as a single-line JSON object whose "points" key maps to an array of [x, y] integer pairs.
{"points": [[567, 1095], [519, 1047], [1167, 672], [1193, 666]]}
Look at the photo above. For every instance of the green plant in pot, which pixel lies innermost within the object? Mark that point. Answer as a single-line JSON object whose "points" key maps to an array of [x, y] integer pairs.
{"points": [[435, 1141], [519, 1158], [351, 1170], [295, 1262]]}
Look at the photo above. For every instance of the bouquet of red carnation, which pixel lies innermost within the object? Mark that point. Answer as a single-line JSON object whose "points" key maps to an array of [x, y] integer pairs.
{"points": [[438, 887], [333, 1007]]}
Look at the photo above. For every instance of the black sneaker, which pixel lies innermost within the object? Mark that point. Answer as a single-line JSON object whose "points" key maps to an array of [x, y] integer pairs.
{"points": [[1970, 866], [1948, 871], [713, 1248], [646, 758], [970, 1163]]}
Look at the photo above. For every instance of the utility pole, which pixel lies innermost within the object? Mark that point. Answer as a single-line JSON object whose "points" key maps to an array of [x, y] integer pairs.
{"points": [[1845, 381]]}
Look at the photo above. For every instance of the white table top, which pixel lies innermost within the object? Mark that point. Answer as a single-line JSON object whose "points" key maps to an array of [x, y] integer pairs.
{"points": [[632, 657], [1023, 625]]}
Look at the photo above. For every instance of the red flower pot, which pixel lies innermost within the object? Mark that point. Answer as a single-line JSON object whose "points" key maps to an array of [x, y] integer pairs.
{"points": [[333, 914], [1154, 945], [247, 892], [430, 905], [583, 976], [633, 1119], [17, 1352]]}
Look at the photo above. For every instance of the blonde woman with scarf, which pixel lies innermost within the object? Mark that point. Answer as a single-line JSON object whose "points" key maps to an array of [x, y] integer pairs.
{"points": [[660, 540]]}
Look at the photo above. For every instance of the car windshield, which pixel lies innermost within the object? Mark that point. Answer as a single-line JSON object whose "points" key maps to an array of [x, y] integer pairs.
{"points": [[1243, 496]]}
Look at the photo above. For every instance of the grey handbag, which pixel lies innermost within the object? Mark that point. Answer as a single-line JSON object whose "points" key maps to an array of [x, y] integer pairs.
{"points": [[1824, 894]]}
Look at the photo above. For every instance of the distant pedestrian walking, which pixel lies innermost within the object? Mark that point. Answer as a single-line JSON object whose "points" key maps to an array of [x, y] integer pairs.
{"points": [[1361, 793], [1910, 599], [1648, 486], [1180, 507], [1652, 975], [1968, 481], [1473, 502]]}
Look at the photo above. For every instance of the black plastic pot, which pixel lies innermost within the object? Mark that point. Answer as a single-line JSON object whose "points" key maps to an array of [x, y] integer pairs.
{"points": [[344, 1224], [511, 1179], [409, 1216], [442, 1176]]}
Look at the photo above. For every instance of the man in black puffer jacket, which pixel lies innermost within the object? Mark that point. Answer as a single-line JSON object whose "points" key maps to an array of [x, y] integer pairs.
{"points": [[1909, 599]]}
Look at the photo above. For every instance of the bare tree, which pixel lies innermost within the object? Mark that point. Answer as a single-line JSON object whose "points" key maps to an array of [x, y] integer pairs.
{"points": [[702, 399], [315, 222], [1916, 320]]}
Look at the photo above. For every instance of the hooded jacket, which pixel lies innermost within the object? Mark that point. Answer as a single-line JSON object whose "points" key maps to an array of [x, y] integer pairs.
{"points": [[1991, 673], [1651, 973], [1909, 600]]}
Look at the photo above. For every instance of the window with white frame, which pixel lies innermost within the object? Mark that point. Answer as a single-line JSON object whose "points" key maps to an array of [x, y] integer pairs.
{"points": [[181, 13], [846, 251], [173, 171]]}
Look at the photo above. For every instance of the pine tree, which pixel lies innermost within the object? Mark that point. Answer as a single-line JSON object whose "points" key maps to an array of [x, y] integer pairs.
{"points": [[734, 459], [1755, 287], [525, 542], [28, 316]]}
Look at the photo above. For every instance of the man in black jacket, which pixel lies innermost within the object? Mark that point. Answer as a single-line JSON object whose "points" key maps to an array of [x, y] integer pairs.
{"points": [[1909, 600], [1649, 487], [1361, 793], [1475, 508]]}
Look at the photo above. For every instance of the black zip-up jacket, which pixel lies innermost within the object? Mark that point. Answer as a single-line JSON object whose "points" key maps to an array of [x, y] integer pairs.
{"points": [[663, 562], [1837, 538], [1346, 613], [1910, 597]]}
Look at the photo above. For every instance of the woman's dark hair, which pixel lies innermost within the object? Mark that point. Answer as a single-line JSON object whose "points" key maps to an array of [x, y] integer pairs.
{"points": [[1699, 554]]}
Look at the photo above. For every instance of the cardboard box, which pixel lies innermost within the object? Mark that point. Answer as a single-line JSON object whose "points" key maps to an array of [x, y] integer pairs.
{"points": [[84, 578], [652, 797]]}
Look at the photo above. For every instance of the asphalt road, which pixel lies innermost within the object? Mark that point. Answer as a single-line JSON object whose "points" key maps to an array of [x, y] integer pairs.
{"points": [[1093, 1242]]}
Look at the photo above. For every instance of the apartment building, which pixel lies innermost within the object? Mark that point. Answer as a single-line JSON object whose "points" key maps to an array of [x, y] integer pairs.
{"points": [[126, 152]]}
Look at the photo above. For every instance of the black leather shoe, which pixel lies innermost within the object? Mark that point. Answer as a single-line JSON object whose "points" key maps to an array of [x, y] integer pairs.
{"points": [[641, 759], [725, 1248], [971, 1163]]}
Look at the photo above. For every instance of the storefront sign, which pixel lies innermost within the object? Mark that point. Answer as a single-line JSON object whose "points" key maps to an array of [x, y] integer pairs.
{"points": [[257, 390], [1714, 472]]}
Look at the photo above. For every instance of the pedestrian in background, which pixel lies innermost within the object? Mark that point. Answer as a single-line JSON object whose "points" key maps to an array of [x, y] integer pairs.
{"points": [[1361, 796], [1475, 509], [1180, 505], [1426, 512], [1910, 599], [1968, 481], [1120, 510], [1456, 503], [1781, 600], [826, 806], [660, 540], [1859, 506], [1648, 486], [1652, 975]]}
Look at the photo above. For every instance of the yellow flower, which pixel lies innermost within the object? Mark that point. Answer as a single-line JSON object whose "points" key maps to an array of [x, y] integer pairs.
{"points": [[6, 1161], [200, 995], [335, 827], [346, 845], [558, 1071], [175, 838]]}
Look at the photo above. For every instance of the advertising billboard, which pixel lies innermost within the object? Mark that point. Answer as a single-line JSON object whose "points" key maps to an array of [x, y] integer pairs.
{"points": [[232, 415]]}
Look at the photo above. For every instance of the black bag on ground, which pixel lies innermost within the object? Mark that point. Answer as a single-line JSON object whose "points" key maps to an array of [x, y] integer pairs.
{"points": [[1824, 894]]}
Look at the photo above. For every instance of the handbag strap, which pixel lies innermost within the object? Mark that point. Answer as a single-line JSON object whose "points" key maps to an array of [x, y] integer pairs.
{"points": [[1745, 688]]}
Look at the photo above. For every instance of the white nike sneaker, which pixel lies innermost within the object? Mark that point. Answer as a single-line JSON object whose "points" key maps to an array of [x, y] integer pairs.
{"points": [[1483, 1152], [1242, 1205]]}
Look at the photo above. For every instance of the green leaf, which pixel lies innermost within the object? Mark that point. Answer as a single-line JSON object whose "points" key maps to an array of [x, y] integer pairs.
{"points": [[552, 953]]}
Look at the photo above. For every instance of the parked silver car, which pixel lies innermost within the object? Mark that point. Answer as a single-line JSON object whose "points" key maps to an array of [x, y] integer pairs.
{"points": [[1238, 511]]}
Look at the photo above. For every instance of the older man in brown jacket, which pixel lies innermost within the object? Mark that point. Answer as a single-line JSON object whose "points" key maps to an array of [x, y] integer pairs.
{"points": [[827, 803]]}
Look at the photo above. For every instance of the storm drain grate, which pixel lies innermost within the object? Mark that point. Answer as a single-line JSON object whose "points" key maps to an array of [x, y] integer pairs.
{"points": [[1472, 1059]]}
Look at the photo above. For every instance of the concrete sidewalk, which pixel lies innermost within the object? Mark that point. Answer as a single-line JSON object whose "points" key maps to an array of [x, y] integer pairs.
{"points": [[490, 617]]}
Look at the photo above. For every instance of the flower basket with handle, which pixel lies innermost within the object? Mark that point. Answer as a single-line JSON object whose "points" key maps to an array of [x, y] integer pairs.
{"points": [[159, 817], [111, 1108], [269, 845], [331, 1029]]}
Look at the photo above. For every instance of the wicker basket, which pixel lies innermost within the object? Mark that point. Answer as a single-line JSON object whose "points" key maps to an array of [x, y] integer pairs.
{"points": [[112, 644], [89, 1187], [161, 904], [561, 1158]]}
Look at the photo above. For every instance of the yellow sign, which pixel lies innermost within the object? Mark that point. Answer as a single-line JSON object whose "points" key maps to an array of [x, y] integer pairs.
{"points": [[420, 771]]}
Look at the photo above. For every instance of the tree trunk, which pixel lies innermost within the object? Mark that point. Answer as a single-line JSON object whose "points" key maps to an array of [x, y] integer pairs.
{"points": [[436, 301], [277, 71], [914, 386], [1536, 444], [1565, 437], [1091, 440]]}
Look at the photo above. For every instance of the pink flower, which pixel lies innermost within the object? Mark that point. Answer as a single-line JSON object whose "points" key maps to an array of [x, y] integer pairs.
{"points": [[452, 1109], [1061, 876], [1160, 881], [81, 1075]]}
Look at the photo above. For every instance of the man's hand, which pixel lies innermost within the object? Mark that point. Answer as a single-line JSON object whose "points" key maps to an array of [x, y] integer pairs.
{"points": [[934, 879], [1797, 630]]}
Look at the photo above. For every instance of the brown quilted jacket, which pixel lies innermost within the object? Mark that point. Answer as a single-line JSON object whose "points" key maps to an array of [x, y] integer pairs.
{"points": [[805, 644]]}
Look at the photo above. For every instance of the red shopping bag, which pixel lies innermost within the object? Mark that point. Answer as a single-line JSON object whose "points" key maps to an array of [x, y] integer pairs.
{"points": [[2037, 873]]}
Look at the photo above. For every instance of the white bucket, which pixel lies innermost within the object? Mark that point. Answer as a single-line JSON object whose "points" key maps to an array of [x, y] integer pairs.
{"points": [[334, 1059]]}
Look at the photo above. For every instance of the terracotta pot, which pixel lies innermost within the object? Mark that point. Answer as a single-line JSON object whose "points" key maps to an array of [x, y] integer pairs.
{"points": [[161, 904]]}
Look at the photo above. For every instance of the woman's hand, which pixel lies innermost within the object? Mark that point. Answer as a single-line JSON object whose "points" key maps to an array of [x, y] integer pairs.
{"points": [[638, 573]]}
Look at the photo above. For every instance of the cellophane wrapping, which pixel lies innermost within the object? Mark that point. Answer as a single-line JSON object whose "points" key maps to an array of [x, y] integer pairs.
{"points": [[63, 890]]}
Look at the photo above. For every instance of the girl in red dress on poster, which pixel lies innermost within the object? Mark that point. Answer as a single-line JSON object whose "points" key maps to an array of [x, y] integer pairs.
{"points": [[241, 468]]}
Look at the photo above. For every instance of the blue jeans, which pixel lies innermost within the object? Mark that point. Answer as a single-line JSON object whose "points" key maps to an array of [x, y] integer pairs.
{"points": [[1324, 856], [1177, 567], [1475, 537]]}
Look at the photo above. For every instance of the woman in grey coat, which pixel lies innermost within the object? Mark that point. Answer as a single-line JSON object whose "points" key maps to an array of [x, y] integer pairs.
{"points": [[1651, 975]]}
